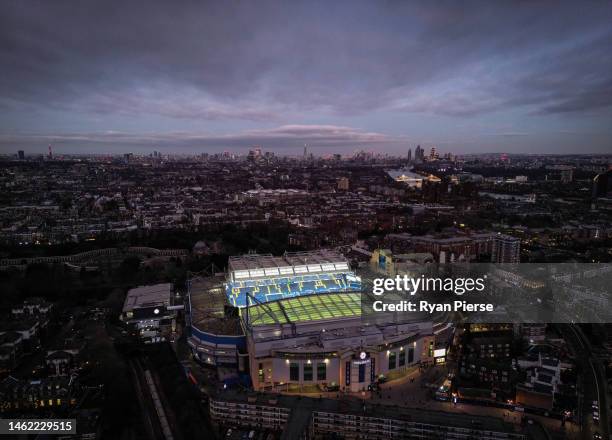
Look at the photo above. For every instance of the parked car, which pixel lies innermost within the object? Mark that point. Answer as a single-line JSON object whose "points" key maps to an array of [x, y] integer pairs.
{"points": [[332, 387]]}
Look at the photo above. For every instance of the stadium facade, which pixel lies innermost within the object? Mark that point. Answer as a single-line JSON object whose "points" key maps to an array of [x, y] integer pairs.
{"points": [[294, 322], [215, 334]]}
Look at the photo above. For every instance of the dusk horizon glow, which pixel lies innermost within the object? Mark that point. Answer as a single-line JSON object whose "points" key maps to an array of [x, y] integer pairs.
{"points": [[383, 77]]}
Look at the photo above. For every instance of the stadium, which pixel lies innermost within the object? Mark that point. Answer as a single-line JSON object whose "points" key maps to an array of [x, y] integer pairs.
{"points": [[294, 323]]}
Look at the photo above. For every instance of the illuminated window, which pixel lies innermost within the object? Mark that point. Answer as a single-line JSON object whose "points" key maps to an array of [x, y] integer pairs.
{"points": [[261, 373]]}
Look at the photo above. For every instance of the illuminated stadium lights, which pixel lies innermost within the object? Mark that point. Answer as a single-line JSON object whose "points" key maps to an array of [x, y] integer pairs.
{"points": [[285, 270], [251, 266]]}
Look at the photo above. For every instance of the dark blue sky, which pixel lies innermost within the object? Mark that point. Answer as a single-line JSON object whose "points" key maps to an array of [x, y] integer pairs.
{"points": [[106, 76]]}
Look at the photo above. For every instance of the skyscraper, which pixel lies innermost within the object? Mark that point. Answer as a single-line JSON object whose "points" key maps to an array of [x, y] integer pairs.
{"points": [[21, 154], [418, 154], [409, 155]]}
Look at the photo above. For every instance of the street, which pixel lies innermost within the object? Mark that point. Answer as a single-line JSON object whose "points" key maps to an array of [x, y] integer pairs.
{"points": [[593, 380]]}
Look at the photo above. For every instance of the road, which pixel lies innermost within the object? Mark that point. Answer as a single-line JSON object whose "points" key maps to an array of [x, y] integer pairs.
{"points": [[409, 391], [593, 380], [411, 394]]}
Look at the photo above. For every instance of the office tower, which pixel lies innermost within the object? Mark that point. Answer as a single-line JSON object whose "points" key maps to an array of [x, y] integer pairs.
{"points": [[432, 154], [409, 155], [506, 249], [418, 154], [21, 154]]}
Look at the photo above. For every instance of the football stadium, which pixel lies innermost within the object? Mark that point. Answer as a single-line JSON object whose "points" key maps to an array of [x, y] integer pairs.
{"points": [[294, 323]]}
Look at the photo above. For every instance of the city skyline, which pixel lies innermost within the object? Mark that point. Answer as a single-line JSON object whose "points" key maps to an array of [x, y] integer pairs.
{"points": [[383, 77]]}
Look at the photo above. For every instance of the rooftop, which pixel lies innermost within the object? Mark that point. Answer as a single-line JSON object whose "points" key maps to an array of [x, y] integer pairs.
{"points": [[356, 407], [148, 296], [260, 265], [208, 301], [404, 174]]}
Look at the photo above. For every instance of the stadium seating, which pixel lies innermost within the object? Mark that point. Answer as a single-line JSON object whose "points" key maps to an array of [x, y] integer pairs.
{"points": [[271, 289]]}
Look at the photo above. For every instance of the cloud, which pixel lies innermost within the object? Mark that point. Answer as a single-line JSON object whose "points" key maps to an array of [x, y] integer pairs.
{"points": [[275, 63], [308, 55], [283, 138]]}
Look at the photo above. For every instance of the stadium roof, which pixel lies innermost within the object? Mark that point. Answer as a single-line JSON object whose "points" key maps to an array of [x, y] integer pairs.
{"points": [[207, 307], [148, 296], [266, 265], [306, 308]]}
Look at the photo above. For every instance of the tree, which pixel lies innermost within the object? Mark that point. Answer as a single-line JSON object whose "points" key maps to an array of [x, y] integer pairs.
{"points": [[128, 269]]}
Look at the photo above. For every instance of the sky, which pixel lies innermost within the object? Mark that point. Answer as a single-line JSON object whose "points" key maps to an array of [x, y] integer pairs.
{"points": [[338, 76]]}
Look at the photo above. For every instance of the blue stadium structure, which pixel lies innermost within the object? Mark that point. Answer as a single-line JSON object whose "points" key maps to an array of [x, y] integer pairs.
{"points": [[256, 279]]}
